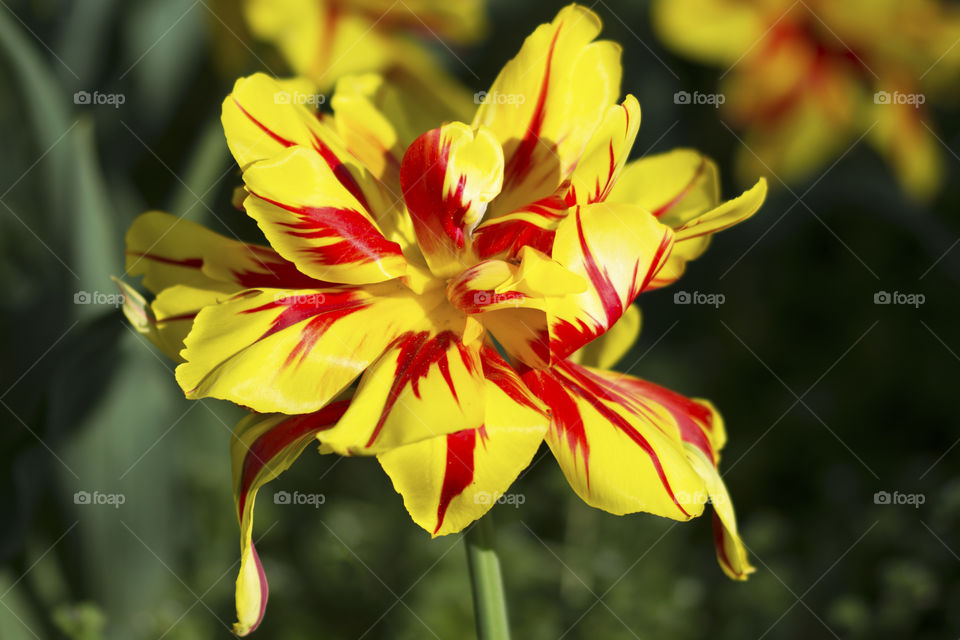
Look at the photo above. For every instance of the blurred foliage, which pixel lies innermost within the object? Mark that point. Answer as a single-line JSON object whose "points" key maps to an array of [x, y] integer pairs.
{"points": [[828, 397]]}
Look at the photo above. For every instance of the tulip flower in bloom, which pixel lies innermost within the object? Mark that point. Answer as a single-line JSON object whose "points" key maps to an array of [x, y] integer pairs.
{"points": [[398, 267], [805, 80]]}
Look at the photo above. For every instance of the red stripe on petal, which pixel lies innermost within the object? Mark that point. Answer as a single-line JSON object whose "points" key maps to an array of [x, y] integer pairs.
{"points": [[520, 162], [459, 470], [597, 391], [190, 263], [267, 130], [357, 239], [566, 418], [659, 211], [417, 353]]}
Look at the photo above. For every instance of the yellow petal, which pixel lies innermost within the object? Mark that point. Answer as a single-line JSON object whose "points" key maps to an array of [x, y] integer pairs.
{"points": [[449, 481], [547, 102], [617, 249], [292, 351], [427, 384], [314, 221], [605, 155], [619, 453], [263, 447]]}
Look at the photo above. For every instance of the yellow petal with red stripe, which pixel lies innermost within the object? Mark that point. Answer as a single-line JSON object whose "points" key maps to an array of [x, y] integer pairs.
{"points": [[610, 348], [617, 249], [168, 251], [605, 155], [263, 117], [428, 383], [547, 102], [292, 351], [449, 481], [619, 452], [703, 434], [448, 177], [311, 219], [263, 447]]}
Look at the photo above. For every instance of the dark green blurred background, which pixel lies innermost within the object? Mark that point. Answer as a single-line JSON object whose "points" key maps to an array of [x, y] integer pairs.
{"points": [[828, 397]]}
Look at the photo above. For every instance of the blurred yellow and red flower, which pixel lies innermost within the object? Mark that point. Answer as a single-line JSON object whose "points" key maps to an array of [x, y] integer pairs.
{"points": [[447, 300], [805, 80]]}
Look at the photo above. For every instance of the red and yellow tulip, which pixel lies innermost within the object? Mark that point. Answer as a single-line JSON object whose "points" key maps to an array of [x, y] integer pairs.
{"points": [[398, 267], [805, 80]]}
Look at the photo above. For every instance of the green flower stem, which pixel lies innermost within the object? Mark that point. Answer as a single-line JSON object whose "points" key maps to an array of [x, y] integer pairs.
{"points": [[486, 579]]}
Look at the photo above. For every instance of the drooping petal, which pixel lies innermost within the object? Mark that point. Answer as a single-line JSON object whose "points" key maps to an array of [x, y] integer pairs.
{"points": [[617, 249], [427, 383], [619, 452], [168, 251], [547, 102], [703, 434], [292, 351], [311, 219], [605, 155], [263, 447], [449, 481], [608, 349], [682, 189], [448, 177]]}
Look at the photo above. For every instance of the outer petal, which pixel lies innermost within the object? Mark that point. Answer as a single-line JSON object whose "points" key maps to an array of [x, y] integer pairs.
{"points": [[703, 435], [635, 446], [448, 177], [428, 383], [449, 481], [605, 154], [264, 446], [682, 189], [564, 84], [292, 351], [618, 249], [317, 223], [169, 251]]}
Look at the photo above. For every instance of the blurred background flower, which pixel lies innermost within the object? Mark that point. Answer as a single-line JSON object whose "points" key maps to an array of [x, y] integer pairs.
{"points": [[836, 389], [805, 78]]}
